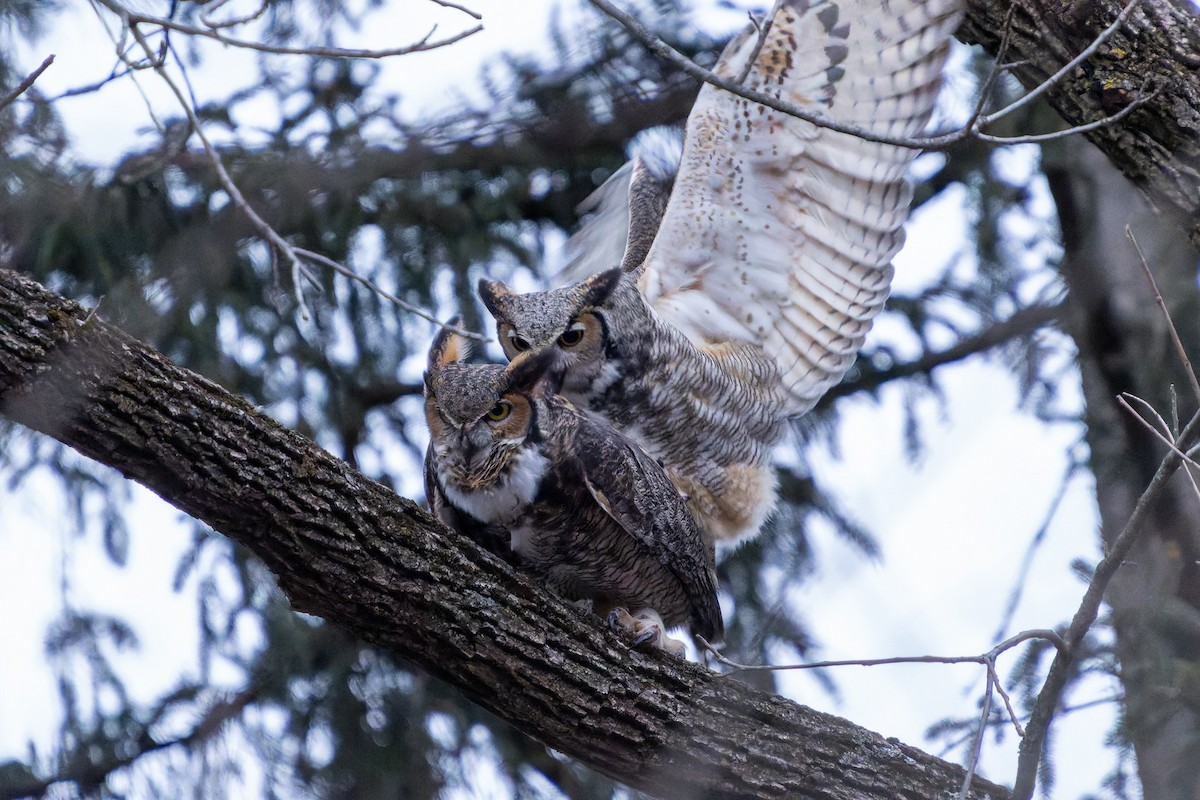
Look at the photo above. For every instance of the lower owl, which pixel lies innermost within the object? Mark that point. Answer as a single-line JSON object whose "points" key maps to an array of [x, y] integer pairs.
{"points": [[564, 497]]}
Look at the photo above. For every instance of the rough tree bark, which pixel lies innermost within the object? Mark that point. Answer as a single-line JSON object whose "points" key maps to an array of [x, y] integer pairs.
{"points": [[1125, 346], [347, 549], [1158, 50]]}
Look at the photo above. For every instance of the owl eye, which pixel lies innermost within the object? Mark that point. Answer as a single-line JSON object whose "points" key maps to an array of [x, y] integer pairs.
{"points": [[519, 343], [500, 411], [572, 335]]}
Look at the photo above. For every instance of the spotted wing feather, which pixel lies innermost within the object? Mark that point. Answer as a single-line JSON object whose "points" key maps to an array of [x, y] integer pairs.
{"points": [[781, 233]]}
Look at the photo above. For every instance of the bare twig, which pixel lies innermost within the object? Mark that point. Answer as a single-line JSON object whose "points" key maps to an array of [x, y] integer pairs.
{"points": [[998, 68], [341, 269], [24, 85], [295, 257], [1066, 69], [92, 87], [1188, 462], [1046, 704], [278, 243], [977, 741], [689, 67], [1033, 138], [132, 18], [988, 659], [764, 30], [207, 19], [457, 7], [1008, 706], [1179, 351]]}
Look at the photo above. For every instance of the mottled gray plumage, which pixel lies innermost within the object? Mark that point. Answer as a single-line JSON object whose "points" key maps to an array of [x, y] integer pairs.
{"points": [[711, 415], [578, 505], [769, 262]]}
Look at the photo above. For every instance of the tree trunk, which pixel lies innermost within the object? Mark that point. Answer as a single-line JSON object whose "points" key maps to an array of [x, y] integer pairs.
{"points": [[1157, 51], [1125, 347], [347, 549]]}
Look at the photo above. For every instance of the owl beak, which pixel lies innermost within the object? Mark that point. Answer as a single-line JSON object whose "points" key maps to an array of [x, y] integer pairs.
{"points": [[476, 444], [553, 377]]}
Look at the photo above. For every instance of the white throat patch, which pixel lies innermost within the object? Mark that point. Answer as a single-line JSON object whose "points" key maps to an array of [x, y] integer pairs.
{"points": [[503, 501]]}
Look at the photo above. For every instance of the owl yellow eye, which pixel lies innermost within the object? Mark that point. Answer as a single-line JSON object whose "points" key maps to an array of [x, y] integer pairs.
{"points": [[500, 411], [519, 343], [572, 335]]}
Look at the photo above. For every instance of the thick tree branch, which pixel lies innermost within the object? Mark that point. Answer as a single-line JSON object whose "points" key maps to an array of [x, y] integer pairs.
{"points": [[347, 549], [1158, 145]]}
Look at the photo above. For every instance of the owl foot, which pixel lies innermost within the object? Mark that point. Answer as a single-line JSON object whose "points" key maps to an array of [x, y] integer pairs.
{"points": [[645, 630]]}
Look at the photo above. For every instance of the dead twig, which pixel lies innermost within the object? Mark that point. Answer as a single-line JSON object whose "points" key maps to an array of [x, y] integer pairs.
{"points": [[25, 84], [1066, 69], [1046, 704], [1175, 340], [988, 660], [133, 18]]}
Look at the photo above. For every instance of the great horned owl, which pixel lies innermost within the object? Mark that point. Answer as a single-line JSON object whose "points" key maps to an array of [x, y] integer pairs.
{"points": [[564, 496], [751, 294]]}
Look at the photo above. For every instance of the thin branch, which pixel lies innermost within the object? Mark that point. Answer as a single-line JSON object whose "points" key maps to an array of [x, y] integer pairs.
{"points": [[988, 660], [1188, 463], [294, 256], [1046, 704], [998, 68], [1179, 351], [457, 7], [689, 67], [279, 244], [977, 744], [24, 85], [133, 19], [1021, 323], [1066, 69], [207, 19], [1008, 706], [341, 269], [1033, 138], [1037, 633], [764, 30], [92, 87]]}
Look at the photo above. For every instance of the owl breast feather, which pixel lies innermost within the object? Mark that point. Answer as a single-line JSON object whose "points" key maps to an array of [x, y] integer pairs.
{"points": [[512, 491]]}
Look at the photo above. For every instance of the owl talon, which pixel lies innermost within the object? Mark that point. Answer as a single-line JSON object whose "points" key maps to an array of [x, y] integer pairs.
{"points": [[644, 631], [622, 623]]}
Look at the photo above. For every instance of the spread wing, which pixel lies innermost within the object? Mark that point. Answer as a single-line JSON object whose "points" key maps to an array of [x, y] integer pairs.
{"points": [[624, 213], [635, 491], [778, 232]]}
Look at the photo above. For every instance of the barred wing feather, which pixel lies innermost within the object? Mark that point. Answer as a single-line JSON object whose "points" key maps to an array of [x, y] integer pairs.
{"points": [[780, 233]]}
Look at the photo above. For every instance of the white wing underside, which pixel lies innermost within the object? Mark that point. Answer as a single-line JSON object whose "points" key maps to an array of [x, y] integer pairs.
{"points": [[602, 240], [781, 233]]}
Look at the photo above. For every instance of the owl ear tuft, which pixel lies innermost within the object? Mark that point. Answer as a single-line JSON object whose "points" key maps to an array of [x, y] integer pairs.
{"points": [[448, 347], [494, 294], [531, 368], [598, 288]]}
